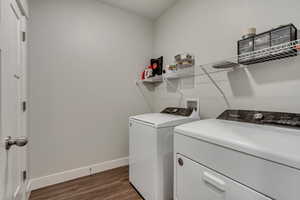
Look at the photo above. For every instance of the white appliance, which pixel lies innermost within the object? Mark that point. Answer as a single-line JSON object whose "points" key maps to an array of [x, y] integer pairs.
{"points": [[231, 159], [151, 152]]}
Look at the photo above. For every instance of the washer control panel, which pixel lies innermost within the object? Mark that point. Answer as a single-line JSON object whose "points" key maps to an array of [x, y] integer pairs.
{"points": [[186, 112]]}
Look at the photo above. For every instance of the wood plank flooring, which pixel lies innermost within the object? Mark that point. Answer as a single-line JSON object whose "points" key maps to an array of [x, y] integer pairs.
{"points": [[109, 185]]}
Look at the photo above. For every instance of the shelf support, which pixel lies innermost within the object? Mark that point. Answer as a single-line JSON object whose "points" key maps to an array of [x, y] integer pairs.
{"points": [[217, 87]]}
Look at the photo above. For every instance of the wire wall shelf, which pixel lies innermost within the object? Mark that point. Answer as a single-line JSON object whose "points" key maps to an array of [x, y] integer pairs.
{"points": [[281, 51]]}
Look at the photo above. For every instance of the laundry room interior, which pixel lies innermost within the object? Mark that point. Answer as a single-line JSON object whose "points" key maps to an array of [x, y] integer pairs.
{"points": [[149, 99]]}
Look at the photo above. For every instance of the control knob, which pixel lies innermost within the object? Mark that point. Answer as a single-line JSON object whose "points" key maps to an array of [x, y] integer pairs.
{"points": [[258, 116]]}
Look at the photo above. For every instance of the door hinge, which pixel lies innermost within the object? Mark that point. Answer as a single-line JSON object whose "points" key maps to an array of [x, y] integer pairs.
{"points": [[23, 36], [24, 175], [24, 106]]}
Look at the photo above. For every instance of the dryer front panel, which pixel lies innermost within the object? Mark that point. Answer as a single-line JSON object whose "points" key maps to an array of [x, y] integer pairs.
{"points": [[194, 181]]}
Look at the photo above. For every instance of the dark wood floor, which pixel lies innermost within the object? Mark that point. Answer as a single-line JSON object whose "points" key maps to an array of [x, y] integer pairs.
{"points": [[109, 185]]}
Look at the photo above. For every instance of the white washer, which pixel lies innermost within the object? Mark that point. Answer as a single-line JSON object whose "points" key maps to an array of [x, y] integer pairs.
{"points": [[151, 154], [229, 159]]}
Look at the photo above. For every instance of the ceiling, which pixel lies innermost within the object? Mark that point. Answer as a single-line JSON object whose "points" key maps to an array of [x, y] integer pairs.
{"points": [[148, 8]]}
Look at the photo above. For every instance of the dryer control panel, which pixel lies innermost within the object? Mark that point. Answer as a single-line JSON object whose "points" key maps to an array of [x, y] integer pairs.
{"points": [[186, 112], [262, 117]]}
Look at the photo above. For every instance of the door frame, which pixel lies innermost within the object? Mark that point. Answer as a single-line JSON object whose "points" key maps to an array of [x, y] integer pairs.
{"points": [[24, 108], [15, 6]]}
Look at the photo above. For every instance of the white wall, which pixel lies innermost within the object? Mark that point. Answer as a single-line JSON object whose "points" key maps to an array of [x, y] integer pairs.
{"points": [[84, 58], [210, 30]]}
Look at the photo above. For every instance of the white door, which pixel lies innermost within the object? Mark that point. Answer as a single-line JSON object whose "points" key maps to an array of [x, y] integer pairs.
{"points": [[11, 161], [196, 182]]}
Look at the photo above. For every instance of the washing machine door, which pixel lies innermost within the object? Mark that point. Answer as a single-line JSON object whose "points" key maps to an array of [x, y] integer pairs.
{"points": [[196, 182]]}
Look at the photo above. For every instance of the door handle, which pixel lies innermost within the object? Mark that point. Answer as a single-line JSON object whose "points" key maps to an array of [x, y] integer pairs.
{"points": [[20, 142], [214, 181]]}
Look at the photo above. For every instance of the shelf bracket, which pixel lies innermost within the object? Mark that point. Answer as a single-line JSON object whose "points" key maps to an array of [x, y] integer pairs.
{"points": [[217, 87]]}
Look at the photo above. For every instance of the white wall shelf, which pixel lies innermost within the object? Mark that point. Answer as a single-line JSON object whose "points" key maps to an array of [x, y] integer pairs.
{"points": [[155, 79], [181, 73]]}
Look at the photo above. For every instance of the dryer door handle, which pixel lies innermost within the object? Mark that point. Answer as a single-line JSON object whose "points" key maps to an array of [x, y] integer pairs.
{"points": [[214, 181]]}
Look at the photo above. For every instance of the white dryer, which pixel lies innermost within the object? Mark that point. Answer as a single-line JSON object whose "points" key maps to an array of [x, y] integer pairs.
{"points": [[242, 155], [151, 152]]}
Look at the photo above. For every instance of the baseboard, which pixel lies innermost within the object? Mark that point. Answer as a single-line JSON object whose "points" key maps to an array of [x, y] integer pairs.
{"points": [[53, 179]]}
